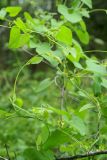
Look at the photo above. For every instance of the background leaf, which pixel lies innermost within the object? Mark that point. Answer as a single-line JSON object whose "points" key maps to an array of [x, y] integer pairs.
{"points": [[79, 125]]}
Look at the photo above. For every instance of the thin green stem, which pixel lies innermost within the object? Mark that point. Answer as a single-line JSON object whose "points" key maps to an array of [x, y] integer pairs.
{"points": [[90, 51], [15, 83], [98, 10], [4, 26]]}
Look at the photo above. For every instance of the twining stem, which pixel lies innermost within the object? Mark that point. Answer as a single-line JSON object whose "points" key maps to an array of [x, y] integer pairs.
{"points": [[62, 99], [98, 10], [14, 89], [91, 51]]}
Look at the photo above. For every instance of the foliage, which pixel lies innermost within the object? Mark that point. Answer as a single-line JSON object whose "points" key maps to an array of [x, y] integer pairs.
{"points": [[63, 113]]}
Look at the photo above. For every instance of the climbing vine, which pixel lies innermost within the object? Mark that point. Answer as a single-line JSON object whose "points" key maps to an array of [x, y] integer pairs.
{"points": [[74, 126]]}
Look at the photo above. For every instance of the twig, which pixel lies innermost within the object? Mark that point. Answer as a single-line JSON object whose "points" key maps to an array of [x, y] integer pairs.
{"points": [[89, 154], [2, 158]]}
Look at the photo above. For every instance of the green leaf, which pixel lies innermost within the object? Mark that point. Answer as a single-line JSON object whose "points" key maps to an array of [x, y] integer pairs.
{"points": [[56, 138], [75, 52], [33, 154], [35, 60], [97, 85], [84, 12], [33, 43], [94, 67], [43, 135], [83, 36], [78, 65], [79, 125], [81, 32], [64, 35], [44, 49], [73, 17], [43, 85], [14, 37], [21, 25], [28, 17], [24, 39], [86, 106], [58, 111], [2, 14], [13, 11], [73, 55], [17, 39], [88, 3], [82, 94], [104, 82]]}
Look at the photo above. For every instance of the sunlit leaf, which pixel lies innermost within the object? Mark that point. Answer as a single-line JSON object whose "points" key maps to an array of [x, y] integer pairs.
{"points": [[95, 67], [35, 60], [44, 49], [64, 35], [20, 24], [73, 17], [13, 11], [17, 39], [14, 37]]}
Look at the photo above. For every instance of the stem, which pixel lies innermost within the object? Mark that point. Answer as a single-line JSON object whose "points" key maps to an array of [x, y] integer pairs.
{"points": [[14, 89], [89, 154], [2, 158], [95, 51], [4, 26], [62, 99], [98, 10]]}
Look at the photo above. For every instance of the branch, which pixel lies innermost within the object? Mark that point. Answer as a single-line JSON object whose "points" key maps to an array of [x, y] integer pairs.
{"points": [[2, 158], [84, 155]]}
